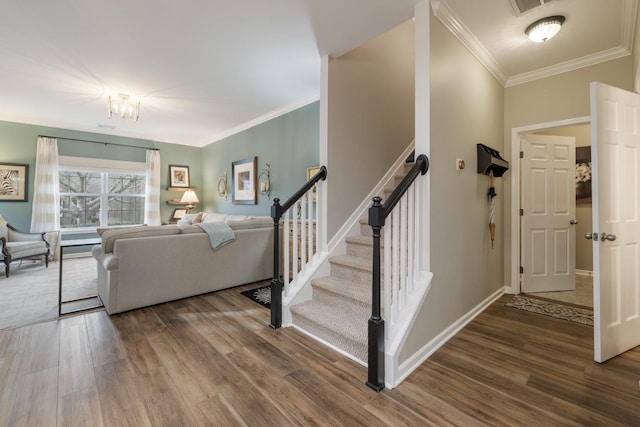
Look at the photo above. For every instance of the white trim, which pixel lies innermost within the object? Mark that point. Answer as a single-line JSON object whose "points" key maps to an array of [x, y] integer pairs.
{"points": [[515, 189], [93, 164], [585, 273], [352, 224], [412, 363], [454, 24], [564, 67], [263, 119]]}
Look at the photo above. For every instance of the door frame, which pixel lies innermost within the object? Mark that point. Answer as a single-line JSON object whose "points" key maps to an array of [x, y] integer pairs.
{"points": [[515, 190]]}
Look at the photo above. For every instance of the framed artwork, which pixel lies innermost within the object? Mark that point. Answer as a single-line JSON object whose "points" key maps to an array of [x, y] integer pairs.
{"points": [[13, 182], [178, 213], [179, 176], [243, 175], [310, 173], [583, 175]]}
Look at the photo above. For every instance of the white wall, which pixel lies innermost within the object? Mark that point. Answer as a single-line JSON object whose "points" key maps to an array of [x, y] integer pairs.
{"points": [[370, 118], [466, 109]]}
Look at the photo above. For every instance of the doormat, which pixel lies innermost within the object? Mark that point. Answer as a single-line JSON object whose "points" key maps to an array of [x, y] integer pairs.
{"points": [[261, 295], [559, 311]]}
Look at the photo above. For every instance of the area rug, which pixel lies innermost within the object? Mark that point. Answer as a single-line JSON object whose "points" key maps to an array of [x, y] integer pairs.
{"points": [[559, 311], [261, 295]]}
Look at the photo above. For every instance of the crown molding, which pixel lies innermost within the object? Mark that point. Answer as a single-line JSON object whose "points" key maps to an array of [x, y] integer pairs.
{"points": [[453, 23], [567, 66], [264, 118]]}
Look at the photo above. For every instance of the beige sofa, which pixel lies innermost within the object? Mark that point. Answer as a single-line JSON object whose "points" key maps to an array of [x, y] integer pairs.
{"points": [[142, 266]]}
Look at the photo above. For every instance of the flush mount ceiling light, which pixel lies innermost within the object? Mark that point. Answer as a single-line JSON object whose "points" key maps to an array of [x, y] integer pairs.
{"points": [[545, 28], [123, 107]]}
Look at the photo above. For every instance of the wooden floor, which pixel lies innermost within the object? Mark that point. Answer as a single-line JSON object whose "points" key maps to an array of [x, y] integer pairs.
{"points": [[213, 361]]}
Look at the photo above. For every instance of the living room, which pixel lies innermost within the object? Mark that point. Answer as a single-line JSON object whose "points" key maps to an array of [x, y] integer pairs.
{"points": [[457, 230]]}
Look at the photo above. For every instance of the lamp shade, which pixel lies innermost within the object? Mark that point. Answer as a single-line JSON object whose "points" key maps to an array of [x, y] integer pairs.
{"points": [[545, 28], [189, 197]]}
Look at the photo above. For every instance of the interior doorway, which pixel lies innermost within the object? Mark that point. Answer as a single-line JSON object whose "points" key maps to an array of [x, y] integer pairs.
{"points": [[580, 129]]}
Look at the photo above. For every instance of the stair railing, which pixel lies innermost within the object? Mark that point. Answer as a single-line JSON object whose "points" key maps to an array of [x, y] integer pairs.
{"points": [[300, 209], [400, 262]]}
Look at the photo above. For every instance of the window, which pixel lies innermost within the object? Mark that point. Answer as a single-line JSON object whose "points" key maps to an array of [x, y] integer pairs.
{"points": [[93, 197]]}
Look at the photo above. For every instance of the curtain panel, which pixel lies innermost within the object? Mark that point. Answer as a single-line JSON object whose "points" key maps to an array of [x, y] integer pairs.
{"points": [[45, 210], [152, 189]]}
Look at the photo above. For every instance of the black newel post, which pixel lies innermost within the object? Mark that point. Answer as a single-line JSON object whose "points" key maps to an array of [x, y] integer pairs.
{"points": [[376, 324], [276, 284]]}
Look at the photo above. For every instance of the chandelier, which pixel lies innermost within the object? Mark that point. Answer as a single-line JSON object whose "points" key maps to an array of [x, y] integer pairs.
{"points": [[123, 107]]}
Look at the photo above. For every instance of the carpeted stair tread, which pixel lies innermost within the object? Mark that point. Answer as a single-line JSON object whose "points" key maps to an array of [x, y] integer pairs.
{"points": [[337, 288], [362, 246], [362, 240], [344, 326], [352, 262]]}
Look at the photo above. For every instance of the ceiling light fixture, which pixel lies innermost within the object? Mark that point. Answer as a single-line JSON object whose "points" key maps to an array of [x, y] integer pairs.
{"points": [[123, 107], [545, 28]]}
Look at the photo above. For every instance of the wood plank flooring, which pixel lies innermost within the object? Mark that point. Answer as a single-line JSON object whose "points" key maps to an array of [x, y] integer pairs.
{"points": [[213, 361]]}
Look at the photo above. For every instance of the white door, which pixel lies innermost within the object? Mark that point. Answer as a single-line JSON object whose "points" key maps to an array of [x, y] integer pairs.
{"points": [[615, 159], [548, 205]]}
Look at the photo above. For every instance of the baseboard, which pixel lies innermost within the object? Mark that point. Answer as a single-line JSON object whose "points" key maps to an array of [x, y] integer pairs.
{"points": [[413, 362], [585, 273]]}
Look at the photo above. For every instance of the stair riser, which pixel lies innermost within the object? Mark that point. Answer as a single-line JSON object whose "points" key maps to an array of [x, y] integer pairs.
{"points": [[363, 251], [329, 336], [350, 274], [331, 298]]}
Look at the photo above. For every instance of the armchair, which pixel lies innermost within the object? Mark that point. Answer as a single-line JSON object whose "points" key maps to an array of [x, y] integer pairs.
{"points": [[16, 245]]}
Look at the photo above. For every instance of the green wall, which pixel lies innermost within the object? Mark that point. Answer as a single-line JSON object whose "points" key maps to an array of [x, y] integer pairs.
{"points": [[18, 145], [289, 143]]}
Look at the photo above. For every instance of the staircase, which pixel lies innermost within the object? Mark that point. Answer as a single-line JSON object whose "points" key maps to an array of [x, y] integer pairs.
{"points": [[341, 304]]}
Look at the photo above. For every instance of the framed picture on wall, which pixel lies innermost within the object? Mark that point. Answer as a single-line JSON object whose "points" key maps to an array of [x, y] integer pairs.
{"points": [[178, 213], [243, 175], [583, 175], [13, 182], [179, 176]]}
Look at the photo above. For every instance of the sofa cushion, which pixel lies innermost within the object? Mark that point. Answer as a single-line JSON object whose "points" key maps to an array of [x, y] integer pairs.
{"points": [[101, 230], [189, 229], [214, 217], [110, 237], [254, 222], [191, 219]]}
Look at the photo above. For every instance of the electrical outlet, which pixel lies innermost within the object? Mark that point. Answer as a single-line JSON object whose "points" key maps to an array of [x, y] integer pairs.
{"points": [[459, 164]]}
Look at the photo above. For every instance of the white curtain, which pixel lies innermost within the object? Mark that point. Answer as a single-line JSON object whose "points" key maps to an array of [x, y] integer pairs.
{"points": [[152, 189], [45, 213], [45, 210]]}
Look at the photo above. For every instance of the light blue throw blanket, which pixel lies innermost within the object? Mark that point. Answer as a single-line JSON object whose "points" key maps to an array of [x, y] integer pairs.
{"points": [[219, 233]]}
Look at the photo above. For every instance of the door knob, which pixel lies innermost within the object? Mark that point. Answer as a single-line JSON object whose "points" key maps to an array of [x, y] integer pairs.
{"points": [[609, 237], [573, 222], [588, 236]]}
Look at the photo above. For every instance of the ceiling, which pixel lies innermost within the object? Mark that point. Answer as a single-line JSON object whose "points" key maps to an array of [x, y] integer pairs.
{"points": [[205, 69]]}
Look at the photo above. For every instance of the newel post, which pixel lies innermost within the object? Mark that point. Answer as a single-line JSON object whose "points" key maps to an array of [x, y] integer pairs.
{"points": [[276, 284], [376, 323]]}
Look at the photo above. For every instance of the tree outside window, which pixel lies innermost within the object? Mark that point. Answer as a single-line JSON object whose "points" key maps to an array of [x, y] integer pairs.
{"points": [[90, 199]]}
